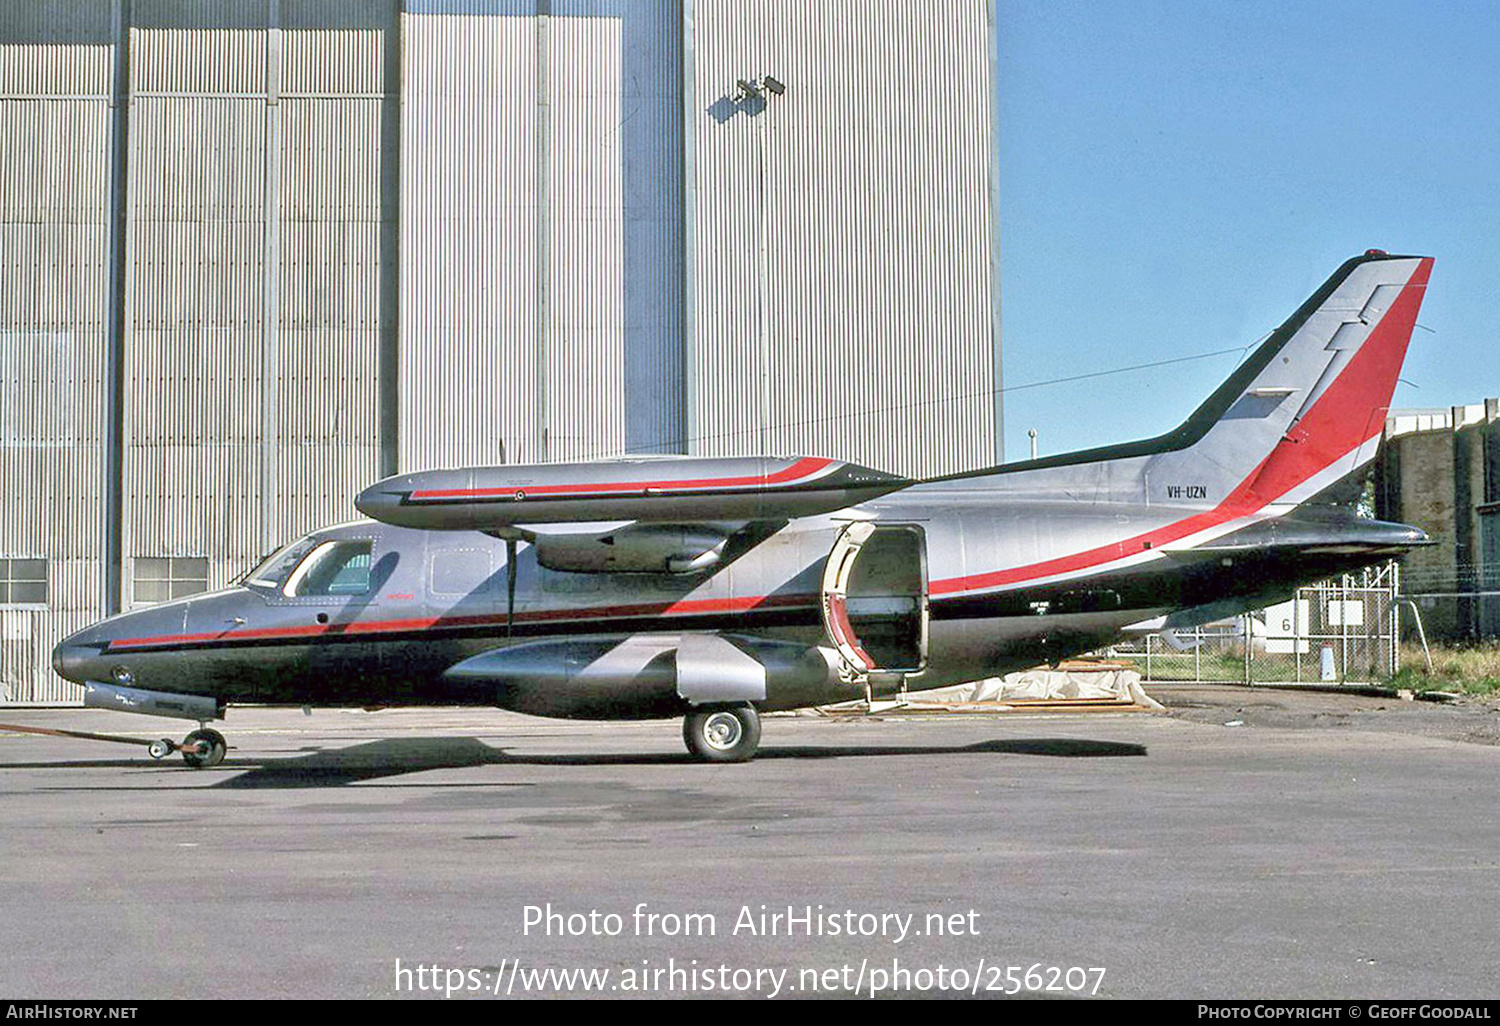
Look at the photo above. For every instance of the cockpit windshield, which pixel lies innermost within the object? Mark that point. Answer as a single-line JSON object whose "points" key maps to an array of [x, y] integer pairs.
{"points": [[272, 572]]}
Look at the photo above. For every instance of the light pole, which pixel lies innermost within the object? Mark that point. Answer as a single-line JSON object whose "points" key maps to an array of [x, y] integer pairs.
{"points": [[751, 97]]}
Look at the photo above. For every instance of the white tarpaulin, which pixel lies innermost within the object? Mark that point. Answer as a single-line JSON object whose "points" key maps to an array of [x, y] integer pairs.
{"points": [[1106, 685]]}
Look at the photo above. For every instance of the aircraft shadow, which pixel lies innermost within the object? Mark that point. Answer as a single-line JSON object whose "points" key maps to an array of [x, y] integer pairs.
{"points": [[380, 759], [395, 757]]}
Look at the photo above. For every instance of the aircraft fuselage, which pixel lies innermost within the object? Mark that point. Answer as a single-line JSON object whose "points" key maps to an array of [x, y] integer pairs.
{"points": [[437, 598]]}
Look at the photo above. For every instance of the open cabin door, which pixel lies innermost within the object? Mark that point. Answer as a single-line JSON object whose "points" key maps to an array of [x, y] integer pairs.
{"points": [[875, 597]]}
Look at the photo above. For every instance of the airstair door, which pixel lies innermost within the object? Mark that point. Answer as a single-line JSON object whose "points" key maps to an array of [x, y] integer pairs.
{"points": [[875, 597]]}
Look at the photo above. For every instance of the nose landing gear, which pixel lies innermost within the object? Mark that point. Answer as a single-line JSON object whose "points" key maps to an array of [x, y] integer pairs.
{"points": [[204, 748], [201, 749]]}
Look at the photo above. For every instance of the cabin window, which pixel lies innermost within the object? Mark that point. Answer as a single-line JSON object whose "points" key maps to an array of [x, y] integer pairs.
{"points": [[460, 572], [23, 582], [163, 578], [333, 568]]}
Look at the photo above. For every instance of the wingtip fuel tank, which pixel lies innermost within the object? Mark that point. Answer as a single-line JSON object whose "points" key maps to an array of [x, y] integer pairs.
{"points": [[690, 488]]}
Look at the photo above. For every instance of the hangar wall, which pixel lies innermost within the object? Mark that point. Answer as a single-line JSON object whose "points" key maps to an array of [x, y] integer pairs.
{"points": [[55, 85], [252, 255], [256, 253], [879, 342]]}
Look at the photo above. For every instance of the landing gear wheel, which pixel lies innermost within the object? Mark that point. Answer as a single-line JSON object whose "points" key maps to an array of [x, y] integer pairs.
{"points": [[204, 748], [722, 733], [160, 749]]}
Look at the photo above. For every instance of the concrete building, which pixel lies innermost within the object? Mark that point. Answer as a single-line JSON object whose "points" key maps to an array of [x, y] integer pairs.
{"points": [[255, 254], [1440, 470]]}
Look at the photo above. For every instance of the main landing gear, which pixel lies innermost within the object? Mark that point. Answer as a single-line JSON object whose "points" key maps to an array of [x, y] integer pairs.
{"points": [[722, 733]]}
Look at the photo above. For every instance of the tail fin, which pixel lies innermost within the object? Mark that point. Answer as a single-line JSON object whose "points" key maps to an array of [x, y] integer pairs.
{"points": [[1309, 406], [1306, 409]]}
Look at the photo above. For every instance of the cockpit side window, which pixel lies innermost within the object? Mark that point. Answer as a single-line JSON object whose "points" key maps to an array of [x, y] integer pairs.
{"points": [[333, 568], [274, 569]]}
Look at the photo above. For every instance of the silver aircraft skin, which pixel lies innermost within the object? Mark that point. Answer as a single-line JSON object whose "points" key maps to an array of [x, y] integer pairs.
{"points": [[712, 588]]}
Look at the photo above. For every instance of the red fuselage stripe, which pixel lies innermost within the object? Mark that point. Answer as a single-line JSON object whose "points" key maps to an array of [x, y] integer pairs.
{"points": [[803, 468], [684, 607]]}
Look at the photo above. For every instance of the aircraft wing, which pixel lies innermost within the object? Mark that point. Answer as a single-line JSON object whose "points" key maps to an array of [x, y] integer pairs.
{"points": [[687, 490]]}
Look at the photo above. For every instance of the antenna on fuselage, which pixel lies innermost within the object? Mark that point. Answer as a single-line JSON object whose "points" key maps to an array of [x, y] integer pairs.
{"points": [[510, 586]]}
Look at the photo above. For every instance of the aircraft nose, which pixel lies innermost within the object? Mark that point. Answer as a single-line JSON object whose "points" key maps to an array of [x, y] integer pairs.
{"points": [[89, 654], [70, 659], [80, 658]]}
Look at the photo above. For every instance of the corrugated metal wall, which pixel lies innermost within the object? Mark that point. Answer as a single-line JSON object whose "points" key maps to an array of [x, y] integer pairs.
{"points": [[582, 395], [55, 67], [468, 237], [333, 97], [843, 271], [197, 280], [252, 252], [254, 256], [363, 236], [541, 231]]}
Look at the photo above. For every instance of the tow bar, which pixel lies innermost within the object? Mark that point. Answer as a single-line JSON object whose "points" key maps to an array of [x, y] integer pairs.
{"points": [[193, 747]]}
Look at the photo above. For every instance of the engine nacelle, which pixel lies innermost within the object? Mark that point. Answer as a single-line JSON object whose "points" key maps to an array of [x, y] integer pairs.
{"points": [[646, 676], [633, 549]]}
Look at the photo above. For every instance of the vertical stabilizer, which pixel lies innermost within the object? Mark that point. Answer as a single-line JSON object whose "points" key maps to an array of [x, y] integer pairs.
{"points": [[1309, 407]]}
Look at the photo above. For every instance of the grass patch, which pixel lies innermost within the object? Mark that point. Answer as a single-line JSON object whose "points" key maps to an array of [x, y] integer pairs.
{"points": [[1468, 669], [1228, 667]]}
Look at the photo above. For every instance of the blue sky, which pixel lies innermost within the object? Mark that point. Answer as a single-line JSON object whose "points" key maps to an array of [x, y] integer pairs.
{"points": [[1177, 176]]}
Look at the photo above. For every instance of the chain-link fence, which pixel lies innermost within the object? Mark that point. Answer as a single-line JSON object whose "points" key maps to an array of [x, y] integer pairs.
{"points": [[1338, 631], [1458, 602]]}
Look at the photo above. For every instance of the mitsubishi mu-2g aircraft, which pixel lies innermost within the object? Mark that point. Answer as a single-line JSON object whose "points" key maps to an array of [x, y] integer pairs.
{"points": [[717, 588]]}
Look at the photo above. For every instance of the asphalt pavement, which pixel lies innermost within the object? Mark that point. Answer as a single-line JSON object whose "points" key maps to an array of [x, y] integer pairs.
{"points": [[1312, 849]]}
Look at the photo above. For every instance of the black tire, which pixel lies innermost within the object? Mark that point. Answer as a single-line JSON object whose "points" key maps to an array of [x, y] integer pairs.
{"points": [[206, 748], [722, 733]]}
